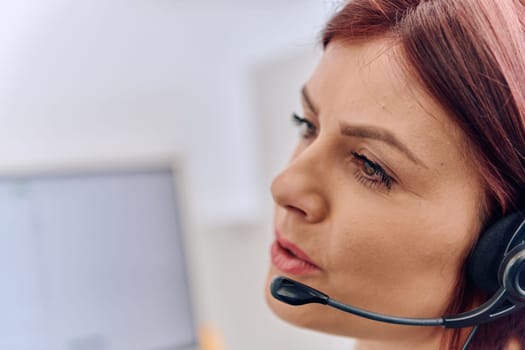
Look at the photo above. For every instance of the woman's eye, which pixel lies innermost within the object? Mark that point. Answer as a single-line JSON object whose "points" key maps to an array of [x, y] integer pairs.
{"points": [[368, 168], [370, 173], [306, 128]]}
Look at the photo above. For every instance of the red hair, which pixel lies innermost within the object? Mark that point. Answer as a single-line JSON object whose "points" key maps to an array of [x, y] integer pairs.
{"points": [[469, 55]]}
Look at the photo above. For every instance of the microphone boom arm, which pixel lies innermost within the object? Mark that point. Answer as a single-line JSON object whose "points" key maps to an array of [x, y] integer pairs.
{"points": [[295, 293]]}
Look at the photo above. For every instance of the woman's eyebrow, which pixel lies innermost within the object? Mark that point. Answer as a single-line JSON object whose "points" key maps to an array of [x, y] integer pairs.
{"points": [[380, 134], [371, 132]]}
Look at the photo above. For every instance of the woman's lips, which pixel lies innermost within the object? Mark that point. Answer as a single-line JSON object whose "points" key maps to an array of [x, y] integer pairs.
{"points": [[290, 259]]}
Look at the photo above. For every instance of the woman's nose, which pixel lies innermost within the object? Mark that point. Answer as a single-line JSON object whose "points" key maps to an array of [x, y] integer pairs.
{"points": [[298, 189]]}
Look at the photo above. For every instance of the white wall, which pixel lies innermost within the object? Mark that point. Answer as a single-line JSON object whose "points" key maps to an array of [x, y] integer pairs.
{"points": [[90, 79], [103, 80]]}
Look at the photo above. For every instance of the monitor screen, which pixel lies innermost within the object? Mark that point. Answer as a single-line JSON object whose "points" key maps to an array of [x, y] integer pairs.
{"points": [[93, 261]]}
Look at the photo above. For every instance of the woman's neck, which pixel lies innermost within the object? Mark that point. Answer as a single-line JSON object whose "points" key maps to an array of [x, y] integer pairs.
{"points": [[435, 341], [420, 343]]}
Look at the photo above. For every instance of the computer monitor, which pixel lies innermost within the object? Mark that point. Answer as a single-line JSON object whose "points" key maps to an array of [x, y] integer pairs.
{"points": [[94, 260]]}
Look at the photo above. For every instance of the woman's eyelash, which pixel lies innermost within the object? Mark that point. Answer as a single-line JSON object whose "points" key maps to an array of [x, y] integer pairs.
{"points": [[370, 173], [306, 128]]}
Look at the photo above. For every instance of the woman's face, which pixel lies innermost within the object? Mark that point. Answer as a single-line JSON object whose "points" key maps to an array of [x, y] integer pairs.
{"points": [[380, 202]]}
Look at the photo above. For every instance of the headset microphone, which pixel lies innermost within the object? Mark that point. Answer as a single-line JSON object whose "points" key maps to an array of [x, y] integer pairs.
{"points": [[294, 293]]}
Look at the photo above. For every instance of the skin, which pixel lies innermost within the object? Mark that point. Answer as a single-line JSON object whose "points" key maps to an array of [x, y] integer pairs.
{"points": [[396, 250]]}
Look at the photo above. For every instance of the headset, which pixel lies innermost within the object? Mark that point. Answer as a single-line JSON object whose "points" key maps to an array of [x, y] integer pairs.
{"points": [[496, 266]]}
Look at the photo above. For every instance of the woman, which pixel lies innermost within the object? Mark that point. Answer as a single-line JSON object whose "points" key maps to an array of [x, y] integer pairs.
{"points": [[413, 142]]}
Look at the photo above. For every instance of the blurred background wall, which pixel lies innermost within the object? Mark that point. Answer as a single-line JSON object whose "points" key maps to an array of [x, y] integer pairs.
{"points": [[212, 83]]}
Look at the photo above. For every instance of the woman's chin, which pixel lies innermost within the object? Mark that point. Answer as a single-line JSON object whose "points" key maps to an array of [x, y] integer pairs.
{"points": [[324, 319]]}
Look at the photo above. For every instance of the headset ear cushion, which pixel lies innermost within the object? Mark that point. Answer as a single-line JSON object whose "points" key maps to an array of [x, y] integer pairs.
{"points": [[484, 262]]}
